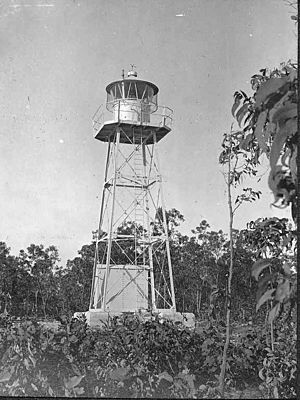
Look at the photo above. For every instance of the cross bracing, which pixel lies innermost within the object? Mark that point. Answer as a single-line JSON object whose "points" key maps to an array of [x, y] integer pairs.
{"points": [[132, 232]]}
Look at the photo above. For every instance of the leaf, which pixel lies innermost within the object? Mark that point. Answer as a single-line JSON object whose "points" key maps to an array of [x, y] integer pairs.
{"points": [[120, 374], [244, 94], [265, 297], [50, 391], [282, 291], [267, 88], [256, 81], [269, 131], [76, 369], [263, 282], [289, 129], [285, 157], [293, 165], [287, 268], [72, 382], [259, 129], [73, 339], [273, 177], [275, 391], [79, 390], [277, 144], [245, 142], [5, 376], [263, 285], [189, 379], [293, 75], [166, 376], [285, 112], [26, 363], [273, 313], [260, 374], [269, 380], [237, 103], [259, 266], [242, 113], [248, 352], [34, 387]]}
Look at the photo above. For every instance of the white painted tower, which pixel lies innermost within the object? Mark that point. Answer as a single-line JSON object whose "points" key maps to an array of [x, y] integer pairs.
{"points": [[132, 266]]}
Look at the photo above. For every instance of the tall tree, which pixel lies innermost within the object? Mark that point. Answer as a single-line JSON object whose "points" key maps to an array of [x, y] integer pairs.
{"points": [[40, 263], [76, 280], [8, 277]]}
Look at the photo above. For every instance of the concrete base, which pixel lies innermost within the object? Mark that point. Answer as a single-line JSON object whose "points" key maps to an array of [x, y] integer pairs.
{"points": [[99, 318], [185, 319]]}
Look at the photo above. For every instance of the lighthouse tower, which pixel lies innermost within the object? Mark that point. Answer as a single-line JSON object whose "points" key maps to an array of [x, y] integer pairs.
{"points": [[132, 267]]}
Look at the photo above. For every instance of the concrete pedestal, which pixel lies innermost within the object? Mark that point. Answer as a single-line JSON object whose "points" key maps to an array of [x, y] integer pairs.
{"points": [[185, 319], [98, 318]]}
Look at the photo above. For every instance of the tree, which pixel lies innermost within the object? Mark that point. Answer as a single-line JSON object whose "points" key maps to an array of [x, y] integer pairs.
{"points": [[268, 126], [237, 166], [15, 284], [274, 242], [39, 263], [8, 278], [75, 281], [173, 218]]}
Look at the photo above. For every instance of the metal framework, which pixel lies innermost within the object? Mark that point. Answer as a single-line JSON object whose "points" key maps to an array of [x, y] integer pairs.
{"points": [[132, 265], [132, 198]]}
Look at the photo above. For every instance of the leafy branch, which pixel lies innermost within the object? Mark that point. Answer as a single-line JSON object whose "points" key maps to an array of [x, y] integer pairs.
{"points": [[268, 126]]}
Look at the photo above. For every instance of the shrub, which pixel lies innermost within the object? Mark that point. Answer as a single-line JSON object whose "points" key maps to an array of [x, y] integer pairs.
{"points": [[133, 359]]}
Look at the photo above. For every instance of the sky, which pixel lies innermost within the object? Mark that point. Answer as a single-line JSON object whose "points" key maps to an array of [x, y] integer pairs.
{"points": [[57, 57]]}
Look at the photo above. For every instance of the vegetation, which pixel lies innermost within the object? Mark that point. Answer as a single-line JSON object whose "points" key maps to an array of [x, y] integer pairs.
{"points": [[241, 288], [150, 359], [267, 126], [133, 359]]}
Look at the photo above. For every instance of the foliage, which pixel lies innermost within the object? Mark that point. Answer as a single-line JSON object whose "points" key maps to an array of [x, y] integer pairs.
{"points": [[278, 369], [27, 284], [273, 236], [34, 360], [133, 359], [126, 359], [75, 281], [273, 241], [35, 287], [40, 263], [268, 122]]}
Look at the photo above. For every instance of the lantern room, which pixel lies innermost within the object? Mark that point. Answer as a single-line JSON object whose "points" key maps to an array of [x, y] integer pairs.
{"points": [[132, 99], [132, 105]]}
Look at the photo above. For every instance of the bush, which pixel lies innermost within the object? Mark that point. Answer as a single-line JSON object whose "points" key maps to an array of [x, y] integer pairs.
{"points": [[132, 359], [278, 368]]}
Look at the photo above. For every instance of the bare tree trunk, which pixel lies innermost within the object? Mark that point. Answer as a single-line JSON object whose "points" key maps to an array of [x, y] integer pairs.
{"points": [[228, 302], [36, 309], [200, 298], [44, 307], [271, 324]]}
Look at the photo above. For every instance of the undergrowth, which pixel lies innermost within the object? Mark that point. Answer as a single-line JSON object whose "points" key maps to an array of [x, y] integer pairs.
{"points": [[133, 359]]}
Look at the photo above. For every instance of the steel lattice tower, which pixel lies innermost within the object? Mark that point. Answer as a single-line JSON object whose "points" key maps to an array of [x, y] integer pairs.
{"points": [[132, 267]]}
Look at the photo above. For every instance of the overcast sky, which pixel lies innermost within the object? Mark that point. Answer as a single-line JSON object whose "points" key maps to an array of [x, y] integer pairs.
{"points": [[57, 57]]}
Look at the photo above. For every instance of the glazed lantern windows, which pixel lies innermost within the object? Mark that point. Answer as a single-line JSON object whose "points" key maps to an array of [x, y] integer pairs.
{"points": [[132, 89]]}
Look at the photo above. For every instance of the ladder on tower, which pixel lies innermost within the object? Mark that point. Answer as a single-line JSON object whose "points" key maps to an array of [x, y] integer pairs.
{"points": [[139, 210]]}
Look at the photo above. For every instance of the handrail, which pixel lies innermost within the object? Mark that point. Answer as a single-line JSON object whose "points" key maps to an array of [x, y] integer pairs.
{"points": [[124, 112]]}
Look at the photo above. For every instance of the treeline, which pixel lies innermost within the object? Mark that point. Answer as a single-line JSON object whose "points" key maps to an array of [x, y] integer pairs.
{"points": [[33, 284]]}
